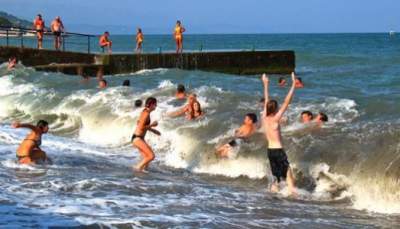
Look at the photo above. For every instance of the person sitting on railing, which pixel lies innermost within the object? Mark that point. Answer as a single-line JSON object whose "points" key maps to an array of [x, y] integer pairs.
{"points": [[38, 25], [105, 41], [57, 28]]}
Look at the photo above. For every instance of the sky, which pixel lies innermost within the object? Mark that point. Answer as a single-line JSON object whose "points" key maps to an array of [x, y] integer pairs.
{"points": [[214, 16]]}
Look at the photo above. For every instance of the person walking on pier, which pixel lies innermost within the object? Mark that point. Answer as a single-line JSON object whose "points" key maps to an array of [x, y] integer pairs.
{"points": [[105, 41], [178, 34], [57, 27], [139, 40], [38, 26]]}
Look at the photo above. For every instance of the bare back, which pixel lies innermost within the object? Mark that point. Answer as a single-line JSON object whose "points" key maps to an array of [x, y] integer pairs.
{"points": [[273, 132]]}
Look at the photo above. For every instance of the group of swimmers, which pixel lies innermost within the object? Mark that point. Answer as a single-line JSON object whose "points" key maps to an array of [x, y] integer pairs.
{"points": [[105, 41], [56, 27], [29, 150]]}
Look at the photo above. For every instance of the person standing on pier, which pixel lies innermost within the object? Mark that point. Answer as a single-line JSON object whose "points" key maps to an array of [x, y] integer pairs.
{"points": [[105, 41], [38, 25], [139, 40], [178, 34], [57, 27]]}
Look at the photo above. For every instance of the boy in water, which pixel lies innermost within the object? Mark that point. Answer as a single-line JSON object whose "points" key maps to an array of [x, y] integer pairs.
{"points": [[281, 82], [321, 118], [180, 92], [306, 116], [247, 129], [277, 157], [299, 83]]}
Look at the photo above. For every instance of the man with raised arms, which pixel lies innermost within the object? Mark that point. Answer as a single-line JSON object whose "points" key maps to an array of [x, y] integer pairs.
{"points": [[272, 116]]}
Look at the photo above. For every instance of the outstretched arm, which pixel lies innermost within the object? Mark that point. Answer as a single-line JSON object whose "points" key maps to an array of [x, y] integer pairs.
{"points": [[179, 112], [24, 125], [265, 81], [288, 99]]}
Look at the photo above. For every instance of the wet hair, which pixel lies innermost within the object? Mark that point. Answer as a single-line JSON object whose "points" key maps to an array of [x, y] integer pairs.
{"points": [[307, 113], [252, 116], [126, 83], [180, 88], [104, 81], [138, 103], [272, 107], [262, 100], [42, 124], [281, 79], [233, 143], [299, 79], [199, 107], [323, 117], [151, 101]]}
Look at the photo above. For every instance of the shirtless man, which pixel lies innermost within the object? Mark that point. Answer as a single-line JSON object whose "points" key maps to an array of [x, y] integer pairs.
{"points": [[105, 41], [247, 129], [57, 28], [180, 92], [144, 124], [29, 151], [277, 157], [38, 25]]}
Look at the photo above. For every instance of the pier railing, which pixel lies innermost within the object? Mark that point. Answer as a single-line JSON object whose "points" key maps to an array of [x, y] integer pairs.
{"points": [[25, 37]]}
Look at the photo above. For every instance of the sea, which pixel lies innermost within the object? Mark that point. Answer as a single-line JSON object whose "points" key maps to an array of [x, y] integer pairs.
{"points": [[347, 171]]}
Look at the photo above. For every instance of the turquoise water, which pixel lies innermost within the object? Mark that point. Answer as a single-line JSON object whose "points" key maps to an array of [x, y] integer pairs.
{"points": [[347, 172]]}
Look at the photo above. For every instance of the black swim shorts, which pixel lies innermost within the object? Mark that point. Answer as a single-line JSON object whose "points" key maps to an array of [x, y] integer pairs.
{"points": [[57, 33], [279, 163]]}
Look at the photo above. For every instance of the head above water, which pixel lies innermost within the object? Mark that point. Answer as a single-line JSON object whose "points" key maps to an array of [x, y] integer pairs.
{"points": [[43, 125], [126, 83], [272, 107], [251, 118], [138, 103], [181, 88], [102, 83], [197, 107], [281, 80], [151, 103], [306, 116], [322, 117]]}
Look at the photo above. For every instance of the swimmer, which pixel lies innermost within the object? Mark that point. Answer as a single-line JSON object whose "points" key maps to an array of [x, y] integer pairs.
{"points": [[57, 27], [321, 118], [12, 62], [102, 84], [180, 92], [282, 82], [126, 83], [178, 35], [139, 40], [247, 129], [299, 83], [277, 157], [138, 103], [197, 111], [105, 41], [38, 26], [29, 151], [144, 124], [188, 109], [306, 116]]}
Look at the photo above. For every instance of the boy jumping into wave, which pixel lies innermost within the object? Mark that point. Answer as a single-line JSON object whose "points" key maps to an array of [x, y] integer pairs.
{"points": [[272, 116]]}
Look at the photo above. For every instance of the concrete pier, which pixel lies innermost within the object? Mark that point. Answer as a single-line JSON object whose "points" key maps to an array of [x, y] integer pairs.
{"points": [[240, 62]]}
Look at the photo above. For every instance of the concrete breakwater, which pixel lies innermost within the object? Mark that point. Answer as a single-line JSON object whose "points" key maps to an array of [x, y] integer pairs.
{"points": [[239, 62]]}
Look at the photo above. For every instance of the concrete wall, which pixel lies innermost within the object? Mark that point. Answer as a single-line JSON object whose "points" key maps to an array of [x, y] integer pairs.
{"points": [[241, 63]]}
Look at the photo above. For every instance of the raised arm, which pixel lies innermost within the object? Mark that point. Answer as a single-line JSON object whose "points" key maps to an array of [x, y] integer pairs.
{"points": [[179, 112], [265, 81], [24, 125], [288, 99]]}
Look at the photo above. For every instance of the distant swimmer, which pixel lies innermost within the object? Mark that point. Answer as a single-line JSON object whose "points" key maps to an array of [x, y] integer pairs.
{"points": [[277, 157], [102, 84], [307, 116], [178, 35], [282, 82], [29, 150], [248, 128], [188, 110], [57, 27], [38, 26], [138, 103], [126, 83], [105, 42], [180, 92], [321, 118], [139, 40], [144, 124], [12, 62], [299, 83]]}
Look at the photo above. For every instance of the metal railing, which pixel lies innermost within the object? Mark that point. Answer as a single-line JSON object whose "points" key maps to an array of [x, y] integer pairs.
{"points": [[24, 37]]}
